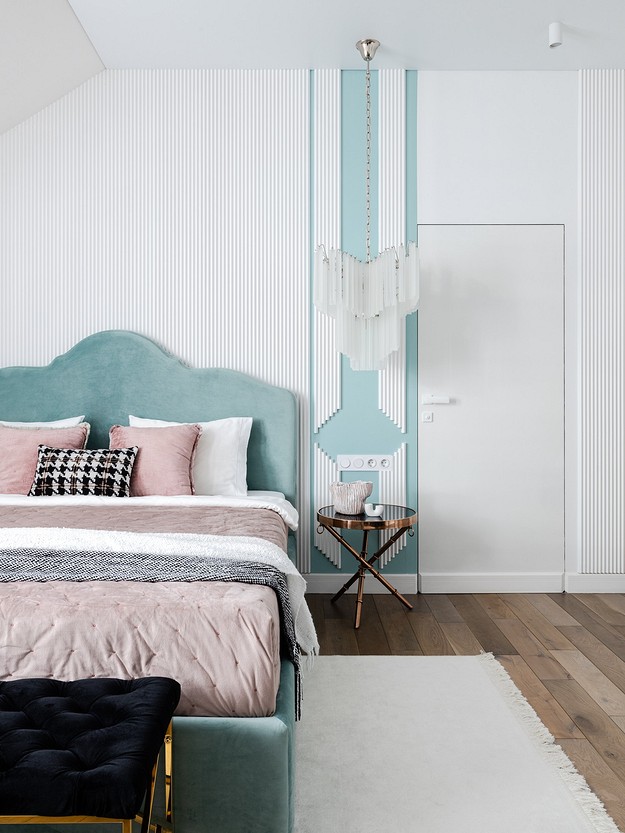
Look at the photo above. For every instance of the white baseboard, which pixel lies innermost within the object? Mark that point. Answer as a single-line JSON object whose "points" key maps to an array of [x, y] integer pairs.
{"points": [[491, 582], [595, 583], [332, 583], [476, 583]]}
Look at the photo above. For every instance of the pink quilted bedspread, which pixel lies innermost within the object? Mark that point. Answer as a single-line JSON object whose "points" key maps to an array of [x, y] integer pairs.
{"points": [[220, 640]]}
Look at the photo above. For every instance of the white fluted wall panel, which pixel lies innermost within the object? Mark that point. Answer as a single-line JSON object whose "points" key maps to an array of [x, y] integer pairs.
{"points": [[174, 203], [392, 385], [392, 489], [326, 472], [602, 304], [327, 230], [392, 221]]}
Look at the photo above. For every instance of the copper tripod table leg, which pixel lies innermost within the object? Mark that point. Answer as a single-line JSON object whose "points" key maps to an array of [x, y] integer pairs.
{"points": [[361, 590], [370, 561], [361, 579], [364, 565], [363, 554]]}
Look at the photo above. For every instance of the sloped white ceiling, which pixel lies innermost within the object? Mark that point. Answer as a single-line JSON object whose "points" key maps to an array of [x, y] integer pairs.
{"points": [[44, 53], [48, 47], [415, 34]]}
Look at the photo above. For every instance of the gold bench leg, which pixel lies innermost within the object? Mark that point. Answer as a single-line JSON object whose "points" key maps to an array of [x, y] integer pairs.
{"points": [[169, 762], [149, 801], [144, 819]]}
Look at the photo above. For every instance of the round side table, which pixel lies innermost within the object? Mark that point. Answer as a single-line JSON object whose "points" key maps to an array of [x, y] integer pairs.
{"points": [[400, 518]]}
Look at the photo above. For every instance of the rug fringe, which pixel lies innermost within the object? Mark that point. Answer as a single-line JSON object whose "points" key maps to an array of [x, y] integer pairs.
{"points": [[546, 743]]}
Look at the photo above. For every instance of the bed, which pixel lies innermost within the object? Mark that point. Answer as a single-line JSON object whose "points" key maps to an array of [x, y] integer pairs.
{"points": [[231, 773]]}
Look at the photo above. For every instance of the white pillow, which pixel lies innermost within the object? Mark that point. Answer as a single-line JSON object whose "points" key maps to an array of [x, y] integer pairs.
{"points": [[220, 464], [70, 422]]}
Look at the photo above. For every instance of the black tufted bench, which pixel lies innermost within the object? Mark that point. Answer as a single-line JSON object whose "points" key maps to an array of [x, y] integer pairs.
{"points": [[81, 751]]}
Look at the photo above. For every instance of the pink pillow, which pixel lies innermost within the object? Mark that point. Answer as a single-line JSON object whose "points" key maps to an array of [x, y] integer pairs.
{"points": [[19, 449], [164, 460]]}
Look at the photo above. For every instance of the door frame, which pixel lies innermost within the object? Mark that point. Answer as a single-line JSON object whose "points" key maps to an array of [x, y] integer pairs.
{"points": [[513, 582]]}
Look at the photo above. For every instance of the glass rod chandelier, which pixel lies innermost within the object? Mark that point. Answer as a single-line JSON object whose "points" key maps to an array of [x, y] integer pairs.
{"points": [[369, 300]]}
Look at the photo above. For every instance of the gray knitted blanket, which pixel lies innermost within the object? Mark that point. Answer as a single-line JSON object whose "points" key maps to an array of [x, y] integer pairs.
{"points": [[40, 564]]}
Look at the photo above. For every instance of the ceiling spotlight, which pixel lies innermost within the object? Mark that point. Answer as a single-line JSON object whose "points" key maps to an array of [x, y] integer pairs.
{"points": [[555, 34]]}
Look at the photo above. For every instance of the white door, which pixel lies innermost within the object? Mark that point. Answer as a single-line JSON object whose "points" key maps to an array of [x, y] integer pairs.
{"points": [[491, 462]]}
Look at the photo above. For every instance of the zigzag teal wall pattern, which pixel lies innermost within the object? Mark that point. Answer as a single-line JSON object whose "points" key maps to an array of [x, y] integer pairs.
{"points": [[359, 426]]}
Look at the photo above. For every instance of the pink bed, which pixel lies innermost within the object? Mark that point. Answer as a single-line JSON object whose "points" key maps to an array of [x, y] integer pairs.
{"points": [[108, 377], [221, 640]]}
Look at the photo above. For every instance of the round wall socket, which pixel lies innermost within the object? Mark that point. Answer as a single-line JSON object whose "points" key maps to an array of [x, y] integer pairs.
{"points": [[372, 462]]}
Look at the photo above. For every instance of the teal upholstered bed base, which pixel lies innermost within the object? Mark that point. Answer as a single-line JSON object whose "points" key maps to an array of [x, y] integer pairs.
{"points": [[235, 775], [231, 775]]}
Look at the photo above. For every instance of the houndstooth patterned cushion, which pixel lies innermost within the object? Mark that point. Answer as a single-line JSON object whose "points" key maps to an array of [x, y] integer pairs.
{"points": [[92, 471]]}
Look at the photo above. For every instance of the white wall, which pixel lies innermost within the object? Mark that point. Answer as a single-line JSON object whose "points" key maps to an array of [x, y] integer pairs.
{"points": [[177, 204], [171, 203], [501, 147], [497, 147], [601, 333]]}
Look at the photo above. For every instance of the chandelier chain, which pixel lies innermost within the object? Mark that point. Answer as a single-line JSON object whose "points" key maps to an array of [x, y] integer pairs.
{"points": [[368, 162], [369, 300]]}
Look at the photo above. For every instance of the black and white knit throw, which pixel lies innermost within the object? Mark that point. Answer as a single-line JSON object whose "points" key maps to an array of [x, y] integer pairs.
{"points": [[34, 564]]}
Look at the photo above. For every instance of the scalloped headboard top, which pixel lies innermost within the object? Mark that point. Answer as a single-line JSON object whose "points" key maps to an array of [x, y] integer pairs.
{"points": [[112, 374]]}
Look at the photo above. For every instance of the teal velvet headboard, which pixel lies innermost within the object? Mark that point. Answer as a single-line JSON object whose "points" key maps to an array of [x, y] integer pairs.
{"points": [[112, 374]]}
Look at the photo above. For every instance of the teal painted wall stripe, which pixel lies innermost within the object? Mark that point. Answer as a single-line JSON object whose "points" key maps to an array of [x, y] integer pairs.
{"points": [[360, 427], [412, 321]]}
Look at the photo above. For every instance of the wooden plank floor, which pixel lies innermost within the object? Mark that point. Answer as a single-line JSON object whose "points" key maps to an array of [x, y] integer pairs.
{"points": [[565, 652]]}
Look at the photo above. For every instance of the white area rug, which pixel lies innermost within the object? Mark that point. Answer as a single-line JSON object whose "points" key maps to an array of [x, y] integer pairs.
{"points": [[431, 745]]}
